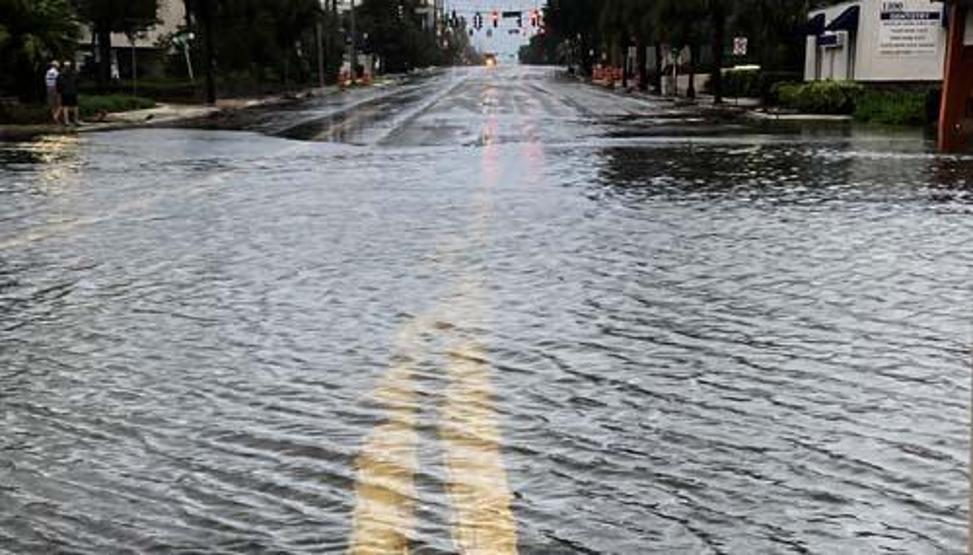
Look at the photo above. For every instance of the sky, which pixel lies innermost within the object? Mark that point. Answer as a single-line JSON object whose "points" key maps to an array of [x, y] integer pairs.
{"points": [[502, 42]]}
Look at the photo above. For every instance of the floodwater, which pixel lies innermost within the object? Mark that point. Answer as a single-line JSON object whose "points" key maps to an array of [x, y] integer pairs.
{"points": [[494, 311]]}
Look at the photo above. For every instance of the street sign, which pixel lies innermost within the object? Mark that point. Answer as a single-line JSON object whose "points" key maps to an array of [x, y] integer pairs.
{"points": [[740, 45]]}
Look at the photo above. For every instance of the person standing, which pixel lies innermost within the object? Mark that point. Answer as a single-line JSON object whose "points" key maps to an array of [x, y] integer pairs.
{"points": [[67, 87], [53, 97]]}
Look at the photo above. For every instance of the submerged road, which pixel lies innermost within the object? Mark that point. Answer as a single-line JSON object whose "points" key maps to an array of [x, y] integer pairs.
{"points": [[485, 312]]}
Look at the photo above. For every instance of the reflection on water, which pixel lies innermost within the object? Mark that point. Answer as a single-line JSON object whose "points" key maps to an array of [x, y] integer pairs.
{"points": [[730, 345]]}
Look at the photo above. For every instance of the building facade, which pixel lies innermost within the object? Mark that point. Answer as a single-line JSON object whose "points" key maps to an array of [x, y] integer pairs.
{"points": [[144, 52], [877, 41]]}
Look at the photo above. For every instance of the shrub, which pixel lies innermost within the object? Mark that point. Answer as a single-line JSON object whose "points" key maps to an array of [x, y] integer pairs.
{"points": [[23, 114], [161, 90], [820, 97], [873, 105], [91, 105], [741, 83], [755, 83], [892, 107]]}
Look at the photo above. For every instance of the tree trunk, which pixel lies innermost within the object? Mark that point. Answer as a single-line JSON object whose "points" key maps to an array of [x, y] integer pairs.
{"points": [[624, 57], [657, 77], [207, 19], [719, 39], [641, 61], [104, 54], [691, 88]]}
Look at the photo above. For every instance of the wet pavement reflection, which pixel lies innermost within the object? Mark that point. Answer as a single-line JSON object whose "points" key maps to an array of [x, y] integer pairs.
{"points": [[485, 312]]}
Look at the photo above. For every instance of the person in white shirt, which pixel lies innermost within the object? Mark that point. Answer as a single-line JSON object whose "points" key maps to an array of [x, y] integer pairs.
{"points": [[53, 97]]}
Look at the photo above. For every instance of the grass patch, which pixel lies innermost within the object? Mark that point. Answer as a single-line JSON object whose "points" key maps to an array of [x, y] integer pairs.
{"points": [[888, 106], [16, 113], [91, 105], [820, 97], [892, 107]]}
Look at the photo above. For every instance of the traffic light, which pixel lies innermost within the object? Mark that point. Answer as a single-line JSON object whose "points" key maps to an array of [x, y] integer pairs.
{"points": [[496, 19], [520, 21], [534, 18], [478, 21]]}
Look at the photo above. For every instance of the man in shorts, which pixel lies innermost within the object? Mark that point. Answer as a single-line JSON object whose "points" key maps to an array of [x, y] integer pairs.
{"points": [[67, 87], [53, 98]]}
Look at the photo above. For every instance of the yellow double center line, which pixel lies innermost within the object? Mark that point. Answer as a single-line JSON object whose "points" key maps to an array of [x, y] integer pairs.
{"points": [[476, 479], [388, 461]]}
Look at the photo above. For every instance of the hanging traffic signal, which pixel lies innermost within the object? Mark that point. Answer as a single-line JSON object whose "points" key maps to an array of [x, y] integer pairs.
{"points": [[496, 19], [478, 21]]}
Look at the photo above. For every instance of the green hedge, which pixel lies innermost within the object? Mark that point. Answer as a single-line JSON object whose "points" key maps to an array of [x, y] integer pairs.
{"points": [[820, 97], [874, 105], [24, 114], [91, 105], [892, 107], [755, 83], [162, 90]]}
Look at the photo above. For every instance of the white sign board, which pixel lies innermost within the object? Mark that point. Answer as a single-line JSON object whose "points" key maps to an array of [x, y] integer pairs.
{"points": [[909, 29], [740, 45]]}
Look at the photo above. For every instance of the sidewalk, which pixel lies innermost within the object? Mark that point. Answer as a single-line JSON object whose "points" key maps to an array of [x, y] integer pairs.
{"points": [[160, 114], [163, 113], [752, 108]]}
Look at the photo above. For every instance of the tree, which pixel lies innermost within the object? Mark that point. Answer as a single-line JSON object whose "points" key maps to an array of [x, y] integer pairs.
{"points": [[33, 32], [575, 23], [395, 34], [115, 16], [718, 15], [771, 26], [684, 25], [250, 43]]}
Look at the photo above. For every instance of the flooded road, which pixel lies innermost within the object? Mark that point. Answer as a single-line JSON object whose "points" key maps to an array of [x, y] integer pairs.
{"points": [[495, 311]]}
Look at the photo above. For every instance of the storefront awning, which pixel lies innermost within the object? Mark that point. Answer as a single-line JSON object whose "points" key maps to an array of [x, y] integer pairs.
{"points": [[847, 21], [815, 25]]}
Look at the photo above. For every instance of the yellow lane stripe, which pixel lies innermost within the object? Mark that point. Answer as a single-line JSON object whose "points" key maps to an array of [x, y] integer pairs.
{"points": [[385, 490], [477, 480]]}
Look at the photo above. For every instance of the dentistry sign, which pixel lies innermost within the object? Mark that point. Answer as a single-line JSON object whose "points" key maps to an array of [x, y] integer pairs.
{"points": [[909, 28]]}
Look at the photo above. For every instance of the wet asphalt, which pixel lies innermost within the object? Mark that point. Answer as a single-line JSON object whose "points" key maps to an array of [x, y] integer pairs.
{"points": [[485, 311]]}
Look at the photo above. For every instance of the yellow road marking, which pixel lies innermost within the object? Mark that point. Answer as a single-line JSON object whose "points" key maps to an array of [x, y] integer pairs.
{"points": [[477, 480], [387, 463]]}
